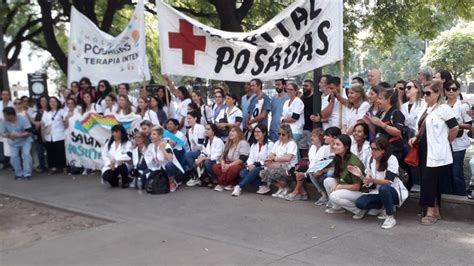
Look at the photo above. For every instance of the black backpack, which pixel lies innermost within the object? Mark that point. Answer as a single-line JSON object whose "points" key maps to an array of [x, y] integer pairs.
{"points": [[157, 183]]}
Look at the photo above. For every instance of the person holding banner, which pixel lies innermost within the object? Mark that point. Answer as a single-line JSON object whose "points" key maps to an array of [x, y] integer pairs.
{"points": [[159, 156], [104, 89], [146, 113], [110, 104], [52, 128], [117, 157]]}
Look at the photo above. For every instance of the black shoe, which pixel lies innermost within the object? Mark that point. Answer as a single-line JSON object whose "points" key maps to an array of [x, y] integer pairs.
{"points": [[28, 177]]}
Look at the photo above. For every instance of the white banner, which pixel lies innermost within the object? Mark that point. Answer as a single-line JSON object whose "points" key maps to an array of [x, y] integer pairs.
{"points": [[86, 136], [98, 55], [306, 35]]}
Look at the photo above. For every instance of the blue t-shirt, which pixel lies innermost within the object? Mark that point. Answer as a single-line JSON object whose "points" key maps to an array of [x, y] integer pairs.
{"points": [[22, 124], [277, 110], [257, 105]]}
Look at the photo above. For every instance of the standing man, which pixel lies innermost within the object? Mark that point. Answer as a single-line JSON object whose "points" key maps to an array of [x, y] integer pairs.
{"points": [[305, 142], [333, 109], [374, 77], [5, 102], [245, 102], [259, 108], [17, 130], [425, 75], [277, 107], [323, 87]]}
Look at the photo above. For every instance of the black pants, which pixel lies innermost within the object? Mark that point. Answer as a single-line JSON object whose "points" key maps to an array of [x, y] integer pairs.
{"points": [[56, 154], [431, 185], [111, 176]]}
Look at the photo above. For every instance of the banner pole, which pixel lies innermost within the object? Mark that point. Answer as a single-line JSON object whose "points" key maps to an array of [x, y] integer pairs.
{"points": [[341, 90], [167, 102]]}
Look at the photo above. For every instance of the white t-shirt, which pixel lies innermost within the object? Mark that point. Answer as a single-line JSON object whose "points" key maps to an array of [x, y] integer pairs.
{"points": [[280, 149], [196, 136], [352, 115], [232, 115], [295, 107], [108, 111], [259, 154], [460, 112]]}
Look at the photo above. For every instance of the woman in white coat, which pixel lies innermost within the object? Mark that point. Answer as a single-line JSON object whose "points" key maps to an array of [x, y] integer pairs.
{"points": [[117, 157]]}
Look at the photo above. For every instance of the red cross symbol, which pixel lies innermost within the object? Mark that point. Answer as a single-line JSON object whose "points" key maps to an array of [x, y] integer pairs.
{"points": [[187, 42]]}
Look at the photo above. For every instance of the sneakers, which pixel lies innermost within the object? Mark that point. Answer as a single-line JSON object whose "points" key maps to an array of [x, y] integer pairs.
{"points": [[321, 201], [359, 215], [382, 215], [389, 222], [229, 188], [333, 210], [193, 182], [277, 193], [173, 186], [219, 188], [237, 191], [263, 190], [374, 212], [292, 197], [284, 193]]}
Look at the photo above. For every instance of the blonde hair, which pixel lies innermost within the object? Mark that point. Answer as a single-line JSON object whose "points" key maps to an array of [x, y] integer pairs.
{"points": [[358, 89], [231, 144]]}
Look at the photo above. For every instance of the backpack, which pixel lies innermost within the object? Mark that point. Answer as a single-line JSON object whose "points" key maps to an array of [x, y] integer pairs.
{"points": [[157, 183], [402, 174]]}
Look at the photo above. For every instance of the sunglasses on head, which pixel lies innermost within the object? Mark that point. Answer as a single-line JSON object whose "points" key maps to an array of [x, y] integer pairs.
{"points": [[453, 89]]}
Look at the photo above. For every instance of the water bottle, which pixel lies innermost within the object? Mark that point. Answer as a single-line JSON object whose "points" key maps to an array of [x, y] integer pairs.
{"points": [[139, 183]]}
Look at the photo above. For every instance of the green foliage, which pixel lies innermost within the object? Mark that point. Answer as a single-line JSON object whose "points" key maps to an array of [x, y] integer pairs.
{"points": [[452, 50]]}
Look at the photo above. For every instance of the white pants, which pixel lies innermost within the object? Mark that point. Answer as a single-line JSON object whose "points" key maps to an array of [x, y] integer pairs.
{"points": [[341, 198]]}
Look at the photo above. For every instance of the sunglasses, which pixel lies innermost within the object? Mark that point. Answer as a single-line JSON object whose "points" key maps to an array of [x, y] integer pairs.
{"points": [[281, 134], [453, 89], [427, 93], [409, 87]]}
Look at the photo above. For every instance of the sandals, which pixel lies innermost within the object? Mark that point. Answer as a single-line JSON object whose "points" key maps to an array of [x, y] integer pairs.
{"points": [[429, 220]]}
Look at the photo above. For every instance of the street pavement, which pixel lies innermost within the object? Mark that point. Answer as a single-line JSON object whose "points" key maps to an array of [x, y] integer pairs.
{"points": [[201, 226]]}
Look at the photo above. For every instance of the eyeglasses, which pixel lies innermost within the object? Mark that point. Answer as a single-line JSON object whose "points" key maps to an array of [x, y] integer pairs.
{"points": [[281, 134], [453, 89], [409, 87], [374, 148], [427, 93]]}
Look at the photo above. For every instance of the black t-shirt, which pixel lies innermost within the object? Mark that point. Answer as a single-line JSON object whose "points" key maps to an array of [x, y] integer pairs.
{"points": [[308, 111], [393, 118]]}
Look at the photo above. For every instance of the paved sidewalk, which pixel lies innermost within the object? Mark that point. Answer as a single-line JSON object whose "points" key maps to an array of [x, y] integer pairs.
{"points": [[201, 226]]}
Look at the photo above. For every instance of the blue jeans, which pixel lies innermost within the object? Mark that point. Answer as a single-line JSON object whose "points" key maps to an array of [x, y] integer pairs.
{"points": [[21, 164], [387, 198], [459, 183], [208, 167], [180, 156], [250, 177], [172, 170], [190, 157]]}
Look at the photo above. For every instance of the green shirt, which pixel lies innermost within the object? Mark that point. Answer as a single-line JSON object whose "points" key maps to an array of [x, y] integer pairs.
{"points": [[346, 177]]}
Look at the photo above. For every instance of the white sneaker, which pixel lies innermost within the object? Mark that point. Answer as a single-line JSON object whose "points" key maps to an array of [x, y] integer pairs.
{"points": [[373, 212], [389, 222], [277, 193], [284, 193], [382, 215], [229, 188], [263, 190], [237, 191], [359, 215], [193, 182], [323, 200], [333, 210], [219, 188]]}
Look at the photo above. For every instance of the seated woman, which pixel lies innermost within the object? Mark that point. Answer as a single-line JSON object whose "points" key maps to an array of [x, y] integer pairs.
{"points": [[117, 157], [345, 188], [360, 144], [159, 156], [323, 153], [177, 140], [386, 189], [196, 136], [281, 159], [259, 151], [212, 152], [140, 169], [236, 153], [317, 152]]}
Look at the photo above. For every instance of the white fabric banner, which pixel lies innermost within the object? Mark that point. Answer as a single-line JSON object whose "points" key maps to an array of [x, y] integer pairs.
{"points": [[98, 55], [86, 136], [304, 36]]}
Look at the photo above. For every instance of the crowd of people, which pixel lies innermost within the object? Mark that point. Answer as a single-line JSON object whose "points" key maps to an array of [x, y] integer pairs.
{"points": [[353, 151]]}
